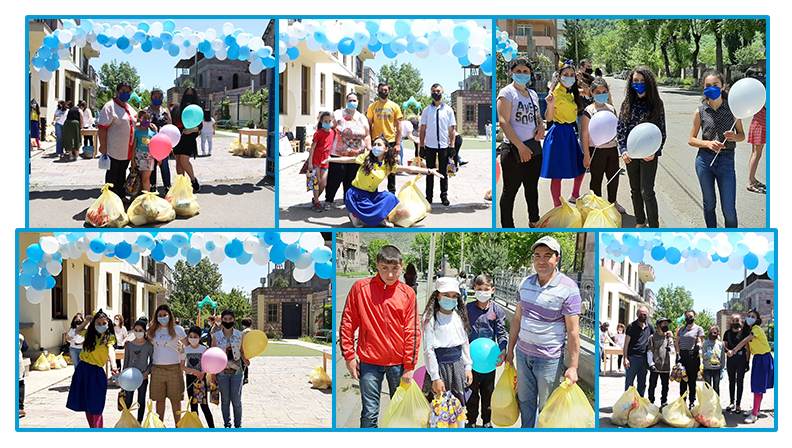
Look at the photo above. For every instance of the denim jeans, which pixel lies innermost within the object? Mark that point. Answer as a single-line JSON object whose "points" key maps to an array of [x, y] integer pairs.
{"points": [[59, 138], [371, 377], [231, 394], [75, 355], [637, 371], [537, 378], [722, 172]]}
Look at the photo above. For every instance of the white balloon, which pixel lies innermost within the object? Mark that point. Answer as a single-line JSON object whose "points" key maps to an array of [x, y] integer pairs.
{"points": [[129, 31], [312, 44], [190, 51], [155, 29], [442, 45], [761, 268], [735, 262], [49, 244], [704, 260], [198, 240], [261, 257], [65, 36], [217, 256], [691, 264], [304, 275], [228, 28], [303, 261], [217, 44], [221, 239], [311, 25], [33, 295], [129, 237], [290, 237], [447, 27], [724, 249], [255, 43], [54, 267], [243, 39], [311, 240], [93, 256], [178, 39], [251, 244], [746, 97], [210, 34]]}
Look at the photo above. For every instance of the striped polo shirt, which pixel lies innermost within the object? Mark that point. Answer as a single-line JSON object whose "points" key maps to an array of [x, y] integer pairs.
{"points": [[542, 327]]}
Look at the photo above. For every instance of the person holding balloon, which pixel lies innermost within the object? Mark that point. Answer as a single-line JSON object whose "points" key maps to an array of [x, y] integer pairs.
{"points": [[642, 105], [143, 160], [195, 377], [138, 354], [88, 390], [715, 159], [160, 117], [167, 380], [229, 380], [763, 364], [190, 121], [352, 137], [116, 133]]}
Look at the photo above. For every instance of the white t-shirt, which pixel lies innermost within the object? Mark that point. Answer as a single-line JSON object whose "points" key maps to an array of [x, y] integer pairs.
{"points": [[166, 348], [192, 356], [208, 127], [407, 129], [524, 112]]}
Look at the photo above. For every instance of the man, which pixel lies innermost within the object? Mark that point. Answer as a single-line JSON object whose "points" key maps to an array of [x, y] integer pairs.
{"points": [[384, 117], [661, 343], [636, 345], [437, 137], [586, 67], [547, 316], [384, 312]]}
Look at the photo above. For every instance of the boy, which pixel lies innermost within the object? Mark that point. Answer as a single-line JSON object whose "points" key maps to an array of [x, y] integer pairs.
{"points": [[713, 358], [384, 312], [660, 344], [487, 320]]}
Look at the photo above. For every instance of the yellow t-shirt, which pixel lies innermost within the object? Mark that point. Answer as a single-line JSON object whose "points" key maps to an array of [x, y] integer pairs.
{"points": [[98, 356], [565, 106], [33, 115], [758, 344], [384, 116], [378, 174]]}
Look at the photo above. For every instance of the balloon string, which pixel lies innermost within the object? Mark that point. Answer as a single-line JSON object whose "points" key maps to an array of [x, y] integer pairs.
{"points": [[723, 143], [614, 176]]}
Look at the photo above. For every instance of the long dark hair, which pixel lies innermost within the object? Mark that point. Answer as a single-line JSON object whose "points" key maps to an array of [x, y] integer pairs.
{"points": [[575, 90], [91, 334], [155, 325], [724, 87], [35, 106], [321, 117], [389, 158], [652, 95], [74, 323], [433, 306]]}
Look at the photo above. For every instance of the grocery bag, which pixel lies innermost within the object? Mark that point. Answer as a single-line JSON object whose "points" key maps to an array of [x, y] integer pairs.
{"points": [[148, 207], [311, 182], [604, 218], [678, 415], [320, 379], [416, 162], [236, 148], [678, 373], [189, 420], [562, 217], [505, 410], [452, 168], [104, 162], [68, 360], [152, 419], [567, 407], [626, 403], [127, 420], [214, 392], [121, 402], [708, 412], [107, 210], [41, 363], [644, 415], [412, 206], [588, 202], [408, 408], [133, 184], [53, 362], [181, 197], [447, 412], [61, 362]]}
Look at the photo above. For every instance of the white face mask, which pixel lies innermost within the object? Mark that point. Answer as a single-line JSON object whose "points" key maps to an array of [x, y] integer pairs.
{"points": [[115, 321], [140, 334], [483, 296], [194, 341]]}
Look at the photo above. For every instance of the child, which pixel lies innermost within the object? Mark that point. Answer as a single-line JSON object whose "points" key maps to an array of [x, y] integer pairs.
{"points": [[22, 348], [35, 124], [366, 205], [143, 160], [487, 320], [384, 312], [713, 358], [88, 389], [660, 342], [207, 131], [139, 354], [191, 366], [320, 152], [756, 137], [606, 162], [717, 142], [446, 345], [763, 365], [562, 157], [642, 104], [619, 340]]}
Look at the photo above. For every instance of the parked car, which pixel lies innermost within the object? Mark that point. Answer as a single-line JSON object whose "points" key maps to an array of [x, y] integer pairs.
{"points": [[324, 334]]}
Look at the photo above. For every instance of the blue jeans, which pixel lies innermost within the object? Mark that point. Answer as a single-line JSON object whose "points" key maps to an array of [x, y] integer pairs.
{"points": [[722, 172], [371, 377], [75, 355], [537, 378], [231, 394], [637, 370], [58, 138], [401, 152]]}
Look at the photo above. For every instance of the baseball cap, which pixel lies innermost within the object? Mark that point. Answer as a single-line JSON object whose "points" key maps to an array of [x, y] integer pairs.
{"points": [[447, 284], [548, 241]]}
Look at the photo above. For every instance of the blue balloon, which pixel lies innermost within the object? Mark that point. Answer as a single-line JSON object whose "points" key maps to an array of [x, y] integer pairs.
{"points": [[98, 245], [158, 254], [606, 238], [50, 282], [769, 256], [614, 244], [484, 352], [321, 254], [244, 258], [244, 52], [122, 42], [123, 250], [233, 51], [51, 41], [234, 248], [324, 270], [204, 46], [384, 36], [750, 261], [724, 260], [143, 25], [346, 46], [133, 258], [139, 36], [398, 46], [146, 46], [52, 64], [462, 32], [293, 251], [210, 246], [294, 53], [464, 61], [166, 37], [460, 49], [630, 239], [34, 252], [193, 256], [30, 267], [180, 239], [673, 255], [269, 62], [320, 36], [156, 43], [388, 52], [38, 282], [101, 38], [372, 25], [169, 25], [38, 62], [57, 256], [192, 115], [25, 279], [272, 238], [264, 52], [145, 240], [173, 50], [771, 271], [278, 253], [169, 249], [361, 37], [714, 257], [110, 249], [375, 47], [636, 254], [330, 46], [402, 27]]}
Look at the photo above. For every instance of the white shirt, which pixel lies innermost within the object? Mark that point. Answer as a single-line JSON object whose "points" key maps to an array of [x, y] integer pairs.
{"points": [[208, 127], [60, 116], [119, 120], [524, 112], [75, 339], [445, 331], [166, 348], [87, 118], [430, 117], [407, 129], [120, 335]]}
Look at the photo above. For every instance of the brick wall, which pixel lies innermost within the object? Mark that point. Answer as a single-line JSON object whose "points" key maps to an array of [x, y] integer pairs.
{"points": [[262, 297], [461, 98]]}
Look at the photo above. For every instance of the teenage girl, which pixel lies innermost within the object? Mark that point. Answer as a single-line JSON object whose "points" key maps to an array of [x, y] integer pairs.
{"points": [[138, 353], [756, 137], [763, 364], [320, 152]]}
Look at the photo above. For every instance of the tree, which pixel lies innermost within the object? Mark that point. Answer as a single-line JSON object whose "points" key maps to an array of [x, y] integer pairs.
{"points": [[238, 301], [705, 319], [487, 254], [672, 302], [111, 74], [404, 81], [187, 82], [577, 41], [475, 85], [279, 281], [374, 247], [191, 285]]}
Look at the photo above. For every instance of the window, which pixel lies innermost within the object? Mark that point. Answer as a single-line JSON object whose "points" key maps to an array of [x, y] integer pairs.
{"points": [[305, 90], [322, 89], [109, 289], [629, 274], [525, 30], [272, 312], [610, 304], [219, 78], [43, 91], [58, 302], [235, 81], [57, 85], [88, 306], [281, 91], [470, 112]]}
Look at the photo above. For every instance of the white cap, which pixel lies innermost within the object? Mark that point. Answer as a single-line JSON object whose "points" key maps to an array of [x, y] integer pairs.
{"points": [[548, 241], [447, 284]]}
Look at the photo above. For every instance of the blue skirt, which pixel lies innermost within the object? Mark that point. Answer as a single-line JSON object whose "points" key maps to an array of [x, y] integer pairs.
{"points": [[371, 207], [88, 389], [762, 373], [34, 129], [562, 157]]}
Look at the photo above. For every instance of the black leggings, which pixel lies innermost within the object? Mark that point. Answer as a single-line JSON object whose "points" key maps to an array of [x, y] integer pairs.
{"points": [[642, 181], [482, 386], [190, 380], [735, 367], [88, 140], [516, 174], [337, 174], [692, 362], [605, 163]]}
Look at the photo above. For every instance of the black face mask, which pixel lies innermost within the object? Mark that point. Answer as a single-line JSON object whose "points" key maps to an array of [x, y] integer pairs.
{"points": [[736, 325], [664, 328], [713, 336], [641, 319], [437, 96], [690, 320], [383, 95], [228, 325], [589, 70]]}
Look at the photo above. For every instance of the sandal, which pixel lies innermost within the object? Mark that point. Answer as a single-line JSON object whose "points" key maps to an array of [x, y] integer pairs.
{"points": [[756, 188]]}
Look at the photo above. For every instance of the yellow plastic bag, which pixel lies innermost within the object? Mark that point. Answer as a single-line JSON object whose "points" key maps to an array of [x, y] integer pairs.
{"points": [[107, 210], [644, 415], [152, 419], [603, 218], [626, 403], [412, 207], [678, 415], [181, 197], [562, 217], [567, 407], [148, 207], [189, 420], [236, 148], [53, 362], [320, 379], [61, 362], [589, 202], [68, 360], [417, 162], [505, 410], [408, 408], [708, 412], [41, 363], [127, 420]]}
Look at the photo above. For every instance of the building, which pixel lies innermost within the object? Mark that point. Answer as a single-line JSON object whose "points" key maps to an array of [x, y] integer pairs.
{"points": [[622, 290], [473, 110], [537, 36], [755, 291], [351, 253]]}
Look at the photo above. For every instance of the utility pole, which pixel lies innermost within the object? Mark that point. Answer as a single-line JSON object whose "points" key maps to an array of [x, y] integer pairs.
{"points": [[462, 257], [430, 267]]}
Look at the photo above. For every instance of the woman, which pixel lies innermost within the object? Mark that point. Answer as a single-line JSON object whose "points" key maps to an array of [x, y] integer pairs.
{"points": [[521, 151], [71, 131], [188, 144], [604, 341], [35, 124], [230, 380], [59, 119], [121, 333], [688, 345], [167, 380], [75, 339], [736, 366], [160, 116], [411, 277], [87, 122], [116, 125], [352, 138], [763, 365]]}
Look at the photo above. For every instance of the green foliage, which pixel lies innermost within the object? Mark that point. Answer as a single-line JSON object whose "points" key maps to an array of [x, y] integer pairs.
{"points": [[577, 42], [187, 82], [475, 85], [255, 99], [110, 74], [404, 81], [191, 285], [705, 319], [225, 112], [374, 247], [672, 302], [279, 281]]}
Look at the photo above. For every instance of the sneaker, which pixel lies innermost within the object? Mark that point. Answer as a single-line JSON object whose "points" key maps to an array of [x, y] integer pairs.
{"points": [[572, 200], [533, 225], [619, 208], [22, 413], [316, 207], [445, 201], [203, 153], [488, 195], [357, 223], [327, 206], [470, 425], [462, 162], [196, 186], [386, 223], [487, 425], [209, 153], [750, 419]]}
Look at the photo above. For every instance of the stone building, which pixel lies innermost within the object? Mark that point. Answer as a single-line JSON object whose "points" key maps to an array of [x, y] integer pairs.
{"points": [[351, 254], [290, 311], [473, 110]]}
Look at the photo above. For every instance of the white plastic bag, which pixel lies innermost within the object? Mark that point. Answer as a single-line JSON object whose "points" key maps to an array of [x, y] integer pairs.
{"points": [[104, 162]]}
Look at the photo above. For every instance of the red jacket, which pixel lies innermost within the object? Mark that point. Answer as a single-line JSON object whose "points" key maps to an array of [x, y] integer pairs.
{"points": [[388, 322]]}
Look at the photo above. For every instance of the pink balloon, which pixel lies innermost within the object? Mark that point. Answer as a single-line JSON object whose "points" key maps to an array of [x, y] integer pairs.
{"points": [[213, 360], [419, 375], [160, 146], [172, 132]]}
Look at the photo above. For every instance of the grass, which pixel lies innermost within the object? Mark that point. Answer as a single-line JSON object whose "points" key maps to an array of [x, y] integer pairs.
{"points": [[313, 340], [476, 144], [352, 274], [289, 350]]}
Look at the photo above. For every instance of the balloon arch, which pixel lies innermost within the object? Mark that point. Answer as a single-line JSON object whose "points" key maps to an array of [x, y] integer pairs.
{"points": [[44, 259]]}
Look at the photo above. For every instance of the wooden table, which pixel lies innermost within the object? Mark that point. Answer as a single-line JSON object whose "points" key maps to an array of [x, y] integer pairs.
{"points": [[250, 133], [325, 356], [610, 352], [92, 133]]}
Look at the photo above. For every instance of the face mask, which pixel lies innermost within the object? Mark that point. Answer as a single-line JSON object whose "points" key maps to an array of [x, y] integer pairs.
{"points": [[327, 126], [383, 95], [589, 70], [483, 296], [437, 96], [448, 303], [567, 81], [750, 321], [163, 320], [641, 318], [145, 124], [639, 87], [115, 321], [664, 328], [521, 78], [228, 325], [713, 336], [352, 105], [735, 325], [194, 341], [601, 98], [101, 328], [124, 96], [157, 102], [140, 334], [79, 322], [690, 320], [377, 150], [713, 92]]}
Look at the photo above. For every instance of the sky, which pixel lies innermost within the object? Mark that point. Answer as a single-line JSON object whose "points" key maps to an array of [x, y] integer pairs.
{"points": [[156, 68], [708, 286]]}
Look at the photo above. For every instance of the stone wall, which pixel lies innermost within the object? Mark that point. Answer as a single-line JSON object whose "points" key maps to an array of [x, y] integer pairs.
{"points": [[262, 297]]}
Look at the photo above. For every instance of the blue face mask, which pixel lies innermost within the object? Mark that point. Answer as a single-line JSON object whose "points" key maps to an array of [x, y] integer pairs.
{"points": [[352, 105], [157, 102], [124, 96], [713, 92], [163, 320], [447, 303], [639, 87], [327, 126], [521, 78], [377, 150], [750, 321], [101, 328], [601, 98], [567, 81]]}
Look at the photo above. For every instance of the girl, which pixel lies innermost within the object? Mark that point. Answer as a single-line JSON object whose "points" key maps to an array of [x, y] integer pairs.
{"points": [[715, 120], [167, 380], [188, 145], [619, 340], [604, 341], [352, 137], [642, 104], [138, 354], [196, 384], [606, 162], [713, 358], [160, 116], [756, 137], [88, 389], [87, 122], [229, 380], [562, 157], [736, 366], [59, 119], [763, 366], [143, 160], [320, 152], [687, 346], [447, 349], [75, 339], [35, 124], [207, 131], [366, 205]]}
